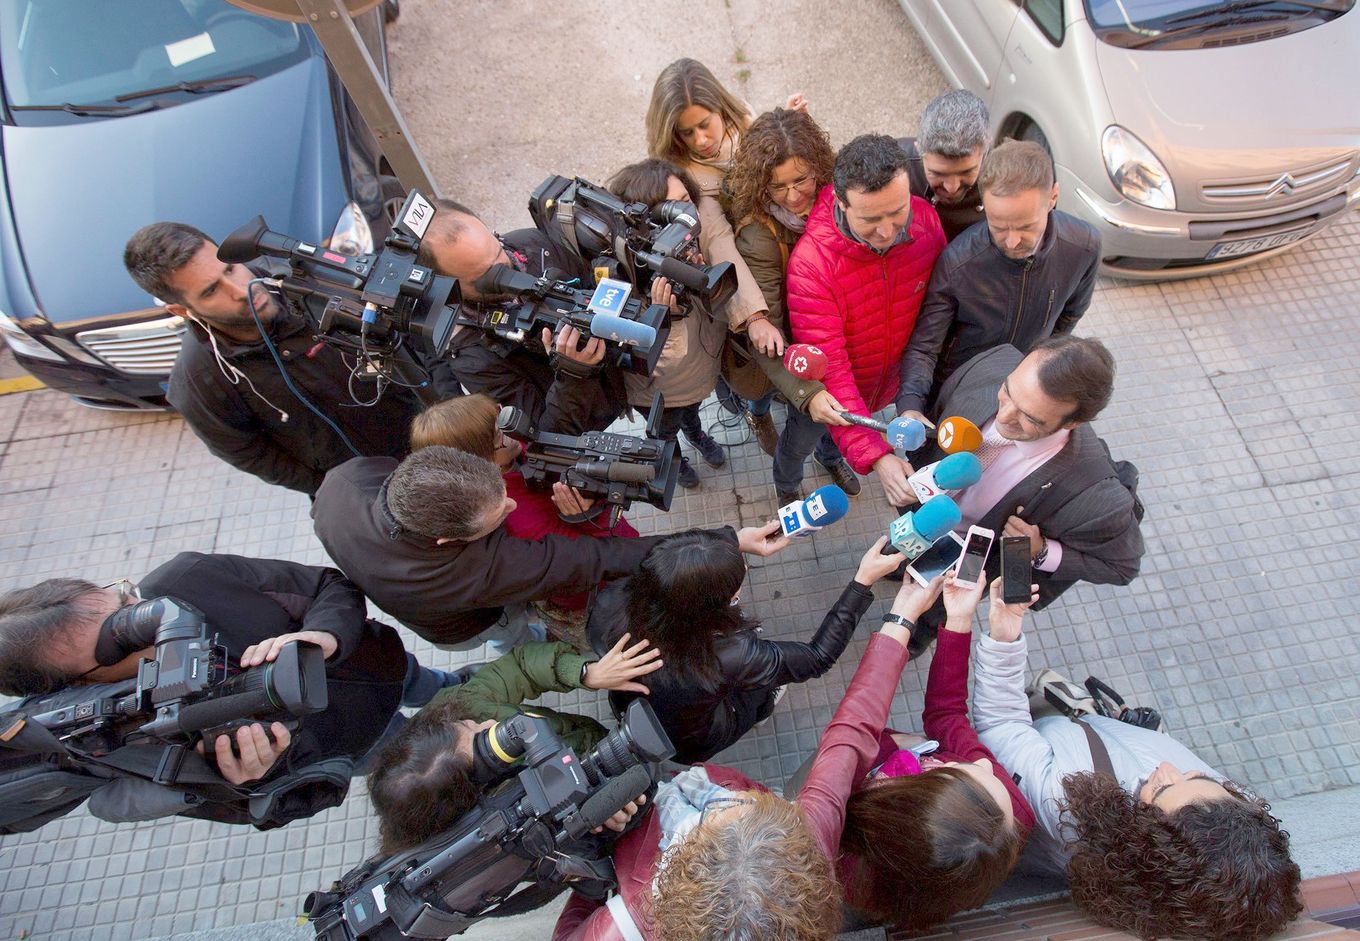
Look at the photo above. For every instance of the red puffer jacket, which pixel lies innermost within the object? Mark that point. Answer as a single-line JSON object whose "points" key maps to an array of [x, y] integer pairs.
{"points": [[860, 307]]}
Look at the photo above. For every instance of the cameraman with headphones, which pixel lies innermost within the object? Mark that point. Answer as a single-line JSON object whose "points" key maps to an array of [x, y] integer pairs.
{"points": [[48, 637], [228, 385]]}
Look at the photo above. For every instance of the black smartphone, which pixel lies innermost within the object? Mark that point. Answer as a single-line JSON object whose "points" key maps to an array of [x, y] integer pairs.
{"points": [[1016, 572]]}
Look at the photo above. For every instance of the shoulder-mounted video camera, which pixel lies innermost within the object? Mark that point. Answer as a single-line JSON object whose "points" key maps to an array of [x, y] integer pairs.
{"points": [[634, 332], [613, 468], [371, 305], [633, 242], [528, 828], [184, 694]]}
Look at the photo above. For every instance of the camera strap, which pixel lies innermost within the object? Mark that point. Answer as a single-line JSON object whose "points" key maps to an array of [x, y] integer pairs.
{"points": [[623, 919]]}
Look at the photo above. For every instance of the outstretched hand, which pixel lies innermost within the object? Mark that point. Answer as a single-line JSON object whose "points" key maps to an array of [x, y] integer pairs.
{"points": [[762, 540], [1003, 620], [960, 601], [875, 565], [618, 668]]}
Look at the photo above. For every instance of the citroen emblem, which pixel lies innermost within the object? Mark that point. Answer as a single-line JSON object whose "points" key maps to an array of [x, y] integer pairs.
{"points": [[1283, 186]]}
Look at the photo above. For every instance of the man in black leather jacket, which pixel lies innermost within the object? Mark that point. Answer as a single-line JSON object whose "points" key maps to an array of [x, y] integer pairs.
{"points": [[1024, 274]]}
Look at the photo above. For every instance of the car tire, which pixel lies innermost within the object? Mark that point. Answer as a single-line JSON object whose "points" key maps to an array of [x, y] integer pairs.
{"points": [[1032, 132], [393, 197]]}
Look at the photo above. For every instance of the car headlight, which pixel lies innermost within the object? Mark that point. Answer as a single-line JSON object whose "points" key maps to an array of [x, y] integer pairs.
{"points": [[352, 234], [24, 344], [1135, 170]]}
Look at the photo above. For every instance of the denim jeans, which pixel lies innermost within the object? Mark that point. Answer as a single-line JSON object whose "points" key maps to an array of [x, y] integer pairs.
{"points": [[761, 406], [800, 437]]}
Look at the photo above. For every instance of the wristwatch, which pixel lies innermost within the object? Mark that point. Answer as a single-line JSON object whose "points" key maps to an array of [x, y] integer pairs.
{"points": [[891, 618], [1043, 552]]}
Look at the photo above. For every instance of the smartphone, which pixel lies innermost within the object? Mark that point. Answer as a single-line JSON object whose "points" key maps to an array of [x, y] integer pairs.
{"points": [[936, 560], [1016, 573], [973, 561]]}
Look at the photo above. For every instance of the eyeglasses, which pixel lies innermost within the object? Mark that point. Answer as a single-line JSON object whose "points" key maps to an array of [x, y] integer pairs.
{"points": [[721, 804], [127, 590], [777, 190]]}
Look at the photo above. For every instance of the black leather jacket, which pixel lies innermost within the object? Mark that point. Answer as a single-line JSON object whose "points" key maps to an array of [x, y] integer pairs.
{"points": [[703, 717], [978, 299]]}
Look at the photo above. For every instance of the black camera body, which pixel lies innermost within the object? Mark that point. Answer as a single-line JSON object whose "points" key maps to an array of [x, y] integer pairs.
{"points": [[630, 241], [634, 332], [183, 694], [372, 305], [616, 469], [526, 829]]}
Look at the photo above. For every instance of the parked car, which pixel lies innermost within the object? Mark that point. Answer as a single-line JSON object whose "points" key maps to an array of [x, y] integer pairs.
{"points": [[115, 115], [1197, 136]]}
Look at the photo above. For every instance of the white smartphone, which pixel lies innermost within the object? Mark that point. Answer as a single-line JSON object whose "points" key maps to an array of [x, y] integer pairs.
{"points": [[973, 561], [936, 560]]}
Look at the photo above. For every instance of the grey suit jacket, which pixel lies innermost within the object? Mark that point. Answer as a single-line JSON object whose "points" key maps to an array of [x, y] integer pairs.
{"points": [[1096, 524]]}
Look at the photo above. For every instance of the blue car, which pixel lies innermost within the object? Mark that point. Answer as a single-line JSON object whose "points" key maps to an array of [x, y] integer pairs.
{"points": [[115, 115]]}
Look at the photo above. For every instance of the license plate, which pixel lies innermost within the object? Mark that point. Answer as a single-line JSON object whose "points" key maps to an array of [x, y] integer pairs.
{"points": [[1258, 244]]}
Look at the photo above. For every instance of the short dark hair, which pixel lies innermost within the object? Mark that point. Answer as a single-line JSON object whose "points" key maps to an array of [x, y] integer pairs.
{"points": [[451, 219], [31, 621], [444, 493], [1077, 369], [422, 784], [953, 125], [647, 180], [157, 251], [1014, 166], [928, 845], [868, 163], [1212, 869]]}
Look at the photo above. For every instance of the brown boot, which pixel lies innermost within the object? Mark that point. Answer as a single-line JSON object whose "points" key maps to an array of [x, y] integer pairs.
{"points": [[767, 436]]}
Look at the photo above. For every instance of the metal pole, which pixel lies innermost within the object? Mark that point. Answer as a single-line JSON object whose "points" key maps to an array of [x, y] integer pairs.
{"points": [[348, 55]]}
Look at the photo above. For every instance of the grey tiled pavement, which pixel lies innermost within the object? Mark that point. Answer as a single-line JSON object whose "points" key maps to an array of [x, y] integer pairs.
{"points": [[1236, 397]]}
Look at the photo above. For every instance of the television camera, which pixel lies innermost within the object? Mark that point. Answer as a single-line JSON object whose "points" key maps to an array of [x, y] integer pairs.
{"points": [[532, 826]]}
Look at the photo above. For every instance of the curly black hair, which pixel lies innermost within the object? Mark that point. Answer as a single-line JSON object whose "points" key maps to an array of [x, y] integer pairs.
{"points": [[1212, 869]]}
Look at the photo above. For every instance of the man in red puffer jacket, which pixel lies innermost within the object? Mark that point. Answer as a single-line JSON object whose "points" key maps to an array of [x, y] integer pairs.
{"points": [[856, 281]]}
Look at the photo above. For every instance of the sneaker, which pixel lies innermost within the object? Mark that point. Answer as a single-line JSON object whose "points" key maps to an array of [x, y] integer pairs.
{"points": [[843, 476], [689, 477], [767, 436], [785, 497], [711, 451]]}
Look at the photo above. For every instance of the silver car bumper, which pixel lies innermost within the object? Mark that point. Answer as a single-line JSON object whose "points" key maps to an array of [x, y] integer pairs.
{"points": [[1154, 245]]}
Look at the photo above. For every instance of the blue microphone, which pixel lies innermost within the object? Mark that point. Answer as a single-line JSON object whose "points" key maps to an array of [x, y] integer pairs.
{"points": [[824, 506], [905, 434], [913, 533], [621, 331], [950, 475]]}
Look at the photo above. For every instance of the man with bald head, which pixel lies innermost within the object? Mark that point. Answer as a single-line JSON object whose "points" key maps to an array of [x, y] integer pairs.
{"points": [[459, 244]]}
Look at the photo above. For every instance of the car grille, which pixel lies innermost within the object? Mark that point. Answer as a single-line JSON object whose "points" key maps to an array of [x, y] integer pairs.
{"points": [[1282, 188], [148, 348]]}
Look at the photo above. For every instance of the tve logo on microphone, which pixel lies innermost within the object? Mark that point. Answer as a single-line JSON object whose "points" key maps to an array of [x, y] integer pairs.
{"points": [[609, 297]]}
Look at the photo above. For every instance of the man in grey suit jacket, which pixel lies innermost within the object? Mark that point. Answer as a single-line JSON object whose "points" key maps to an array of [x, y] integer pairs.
{"points": [[1047, 475]]}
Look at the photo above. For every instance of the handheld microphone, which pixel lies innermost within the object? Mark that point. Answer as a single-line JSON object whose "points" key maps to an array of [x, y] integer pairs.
{"points": [[947, 476], [824, 506], [905, 434], [913, 533], [621, 331], [956, 434], [865, 422], [805, 361]]}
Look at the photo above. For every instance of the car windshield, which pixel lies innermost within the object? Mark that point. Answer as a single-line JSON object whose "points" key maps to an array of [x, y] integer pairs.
{"points": [[56, 53], [1151, 17]]}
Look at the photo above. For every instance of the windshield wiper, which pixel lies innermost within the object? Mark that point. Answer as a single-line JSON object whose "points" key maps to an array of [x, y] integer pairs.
{"points": [[201, 87], [111, 111], [1242, 6]]}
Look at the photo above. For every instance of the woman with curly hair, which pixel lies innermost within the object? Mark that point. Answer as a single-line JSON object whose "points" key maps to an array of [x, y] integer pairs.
{"points": [[696, 123], [1164, 847], [722, 858], [783, 161]]}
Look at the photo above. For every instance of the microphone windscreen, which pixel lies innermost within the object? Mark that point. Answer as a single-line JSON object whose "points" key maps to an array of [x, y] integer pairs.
{"points": [[957, 434], [937, 516], [957, 471], [826, 505], [805, 361], [905, 434], [621, 331]]}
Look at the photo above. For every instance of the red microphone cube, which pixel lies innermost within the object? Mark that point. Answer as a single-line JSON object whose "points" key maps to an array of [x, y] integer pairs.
{"points": [[805, 361]]}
